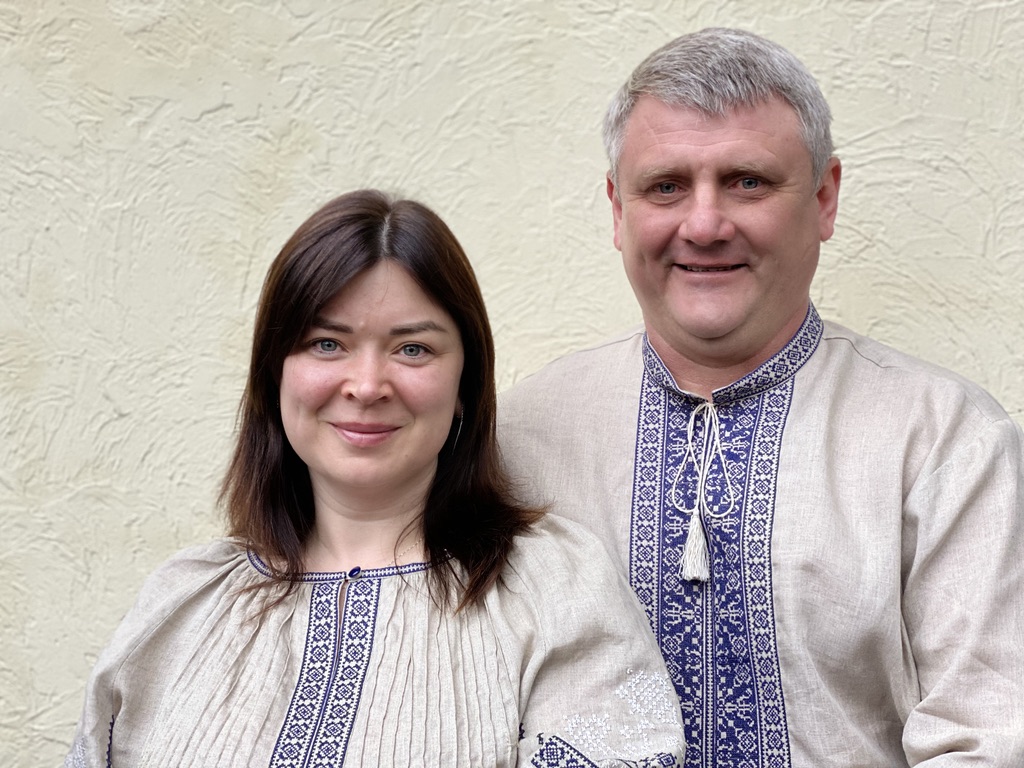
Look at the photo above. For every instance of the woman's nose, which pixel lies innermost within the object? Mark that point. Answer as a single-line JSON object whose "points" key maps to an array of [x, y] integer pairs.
{"points": [[366, 379]]}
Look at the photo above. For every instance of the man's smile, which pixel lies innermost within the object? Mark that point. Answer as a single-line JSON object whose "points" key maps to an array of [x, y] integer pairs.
{"points": [[689, 268]]}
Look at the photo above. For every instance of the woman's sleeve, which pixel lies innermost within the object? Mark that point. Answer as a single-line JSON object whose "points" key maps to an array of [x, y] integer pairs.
{"points": [[594, 688], [119, 666], [92, 736], [91, 746]]}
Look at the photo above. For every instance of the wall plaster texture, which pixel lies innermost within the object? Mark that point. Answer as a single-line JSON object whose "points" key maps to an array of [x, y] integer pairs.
{"points": [[155, 154]]}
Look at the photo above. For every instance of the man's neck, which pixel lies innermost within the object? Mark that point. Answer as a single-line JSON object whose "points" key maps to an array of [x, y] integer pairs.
{"points": [[703, 379]]}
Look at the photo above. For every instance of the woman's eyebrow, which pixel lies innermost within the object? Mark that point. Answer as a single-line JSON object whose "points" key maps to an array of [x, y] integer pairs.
{"points": [[424, 325], [398, 330], [329, 325]]}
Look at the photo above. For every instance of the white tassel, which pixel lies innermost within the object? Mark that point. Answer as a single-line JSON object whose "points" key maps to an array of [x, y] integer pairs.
{"points": [[696, 565]]}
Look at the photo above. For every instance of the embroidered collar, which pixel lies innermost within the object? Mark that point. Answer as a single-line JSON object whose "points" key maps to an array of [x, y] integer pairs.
{"points": [[356, 573], [781, 366]]}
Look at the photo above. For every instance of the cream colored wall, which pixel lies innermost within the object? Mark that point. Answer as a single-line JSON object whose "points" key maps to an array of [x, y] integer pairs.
{"points": [[154, 155]]}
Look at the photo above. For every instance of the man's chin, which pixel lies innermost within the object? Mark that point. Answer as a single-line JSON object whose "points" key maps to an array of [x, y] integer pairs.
{"points": [[712, 329]]}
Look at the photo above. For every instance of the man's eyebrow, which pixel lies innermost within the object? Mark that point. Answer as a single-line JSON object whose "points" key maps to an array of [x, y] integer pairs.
{"points": [[659, 172], [753, 167]]}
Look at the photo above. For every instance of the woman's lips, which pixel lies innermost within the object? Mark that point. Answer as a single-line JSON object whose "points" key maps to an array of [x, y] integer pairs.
{"points": [[364, 435]]}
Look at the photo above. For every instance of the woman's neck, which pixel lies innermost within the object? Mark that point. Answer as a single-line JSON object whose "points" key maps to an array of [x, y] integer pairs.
{"points": [[364, 533]]}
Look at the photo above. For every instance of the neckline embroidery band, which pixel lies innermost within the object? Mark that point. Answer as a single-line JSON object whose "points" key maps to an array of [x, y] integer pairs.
{"points": [[712, 468], [335, 661]]}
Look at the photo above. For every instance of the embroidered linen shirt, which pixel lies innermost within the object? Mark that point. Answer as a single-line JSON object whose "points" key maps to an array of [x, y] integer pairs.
{"points": [[865, 525], [556, 668]]}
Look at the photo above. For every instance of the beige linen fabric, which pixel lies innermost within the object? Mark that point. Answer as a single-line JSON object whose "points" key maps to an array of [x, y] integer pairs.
{"points": [[896, 536], [202, 673]]}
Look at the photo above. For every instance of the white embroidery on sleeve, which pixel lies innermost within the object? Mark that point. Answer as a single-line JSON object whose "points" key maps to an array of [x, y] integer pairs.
{"points": [[76, 757], [652, 703]]}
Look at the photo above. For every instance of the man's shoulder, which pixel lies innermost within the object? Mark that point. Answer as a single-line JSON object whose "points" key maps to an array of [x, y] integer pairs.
{"points": [[586, 396], [907, 375], [587, 368]]}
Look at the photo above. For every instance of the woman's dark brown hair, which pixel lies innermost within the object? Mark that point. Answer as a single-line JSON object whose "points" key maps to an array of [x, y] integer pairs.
{"points": [[470, 516]]}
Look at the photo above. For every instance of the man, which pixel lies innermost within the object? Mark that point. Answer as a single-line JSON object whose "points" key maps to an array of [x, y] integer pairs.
{"points": [[827, 535]]}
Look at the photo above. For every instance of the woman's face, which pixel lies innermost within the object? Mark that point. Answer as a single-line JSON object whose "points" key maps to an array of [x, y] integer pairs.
{"points": [[369, 394]]}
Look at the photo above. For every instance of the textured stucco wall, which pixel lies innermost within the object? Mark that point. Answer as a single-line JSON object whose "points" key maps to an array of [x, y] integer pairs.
{"points": [[156, 153]]}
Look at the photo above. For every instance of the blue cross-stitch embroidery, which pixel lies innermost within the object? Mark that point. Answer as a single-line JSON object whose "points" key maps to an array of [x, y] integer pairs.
{"points": [[555, 752], [718, 638], [319, 721]]}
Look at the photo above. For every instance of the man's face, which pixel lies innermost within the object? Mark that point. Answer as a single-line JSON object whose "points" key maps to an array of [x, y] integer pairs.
{"points": [[719, 221]]}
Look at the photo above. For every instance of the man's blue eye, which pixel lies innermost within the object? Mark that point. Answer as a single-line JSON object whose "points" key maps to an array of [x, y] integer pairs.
{"points": [[666, 188], [750, 183]]}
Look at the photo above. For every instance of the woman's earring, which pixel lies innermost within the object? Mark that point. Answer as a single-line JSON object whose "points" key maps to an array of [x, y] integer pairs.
{"points": [[457, 433]]}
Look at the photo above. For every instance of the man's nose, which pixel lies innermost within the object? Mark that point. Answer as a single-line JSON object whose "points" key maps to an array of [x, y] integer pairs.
{"points": [[706, 220]]}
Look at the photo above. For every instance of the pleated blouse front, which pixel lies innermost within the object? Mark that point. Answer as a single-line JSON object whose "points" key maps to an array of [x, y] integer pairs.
{"points": [[209, 670]]}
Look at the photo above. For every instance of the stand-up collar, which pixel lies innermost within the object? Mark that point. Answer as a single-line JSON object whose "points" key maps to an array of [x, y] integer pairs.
{"points": [[781, 366]]}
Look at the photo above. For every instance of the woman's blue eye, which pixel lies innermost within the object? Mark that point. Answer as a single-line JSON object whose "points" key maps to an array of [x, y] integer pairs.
{"points": [[326, 345], [412, 350]]}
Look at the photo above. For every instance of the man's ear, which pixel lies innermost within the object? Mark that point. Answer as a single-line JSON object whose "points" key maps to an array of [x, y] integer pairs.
{"points": [[613, 195], [828, 198]]}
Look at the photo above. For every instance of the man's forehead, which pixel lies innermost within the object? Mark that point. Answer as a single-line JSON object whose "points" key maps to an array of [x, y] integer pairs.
{"points": [[770, 110], [656, 128]]}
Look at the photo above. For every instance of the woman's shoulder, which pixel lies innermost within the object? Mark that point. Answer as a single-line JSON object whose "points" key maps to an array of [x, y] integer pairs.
{"points": [[218, 567], [214, 553], [553, 534], [556, 553], [219, 558]]}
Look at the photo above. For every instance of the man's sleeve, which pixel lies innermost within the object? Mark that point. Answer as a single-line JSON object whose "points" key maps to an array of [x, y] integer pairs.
{"points": [[963, 604]]}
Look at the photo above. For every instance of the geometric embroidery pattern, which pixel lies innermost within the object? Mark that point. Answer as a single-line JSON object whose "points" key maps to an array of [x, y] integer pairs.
{"points": [[652, 705], [353, 660], [718, 637], [555, 752], [317, 673], [335, 662]]}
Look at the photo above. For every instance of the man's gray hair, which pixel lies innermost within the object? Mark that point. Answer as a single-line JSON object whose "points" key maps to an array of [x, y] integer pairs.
{"points": [[716, 70]]}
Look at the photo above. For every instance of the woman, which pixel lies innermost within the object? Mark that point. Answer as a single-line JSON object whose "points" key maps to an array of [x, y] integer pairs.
{"points": [[382, 600]]}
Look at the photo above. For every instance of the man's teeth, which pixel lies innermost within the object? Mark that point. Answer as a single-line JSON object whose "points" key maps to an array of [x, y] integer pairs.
{"points": [[707, 269]]}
